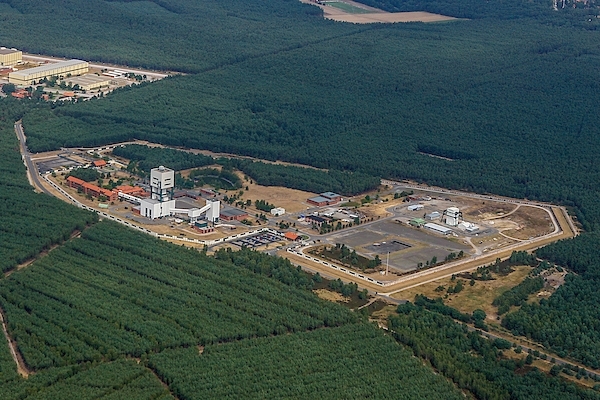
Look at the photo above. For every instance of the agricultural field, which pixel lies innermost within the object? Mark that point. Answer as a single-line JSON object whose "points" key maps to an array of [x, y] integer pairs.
{"points": [[325, 364]]}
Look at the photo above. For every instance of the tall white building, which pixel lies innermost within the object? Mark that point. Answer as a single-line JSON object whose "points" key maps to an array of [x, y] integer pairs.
{"points": [[162, 182], [453, 216]]}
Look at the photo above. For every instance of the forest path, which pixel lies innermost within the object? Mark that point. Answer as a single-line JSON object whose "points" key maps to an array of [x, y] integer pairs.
{"points": [[76, 233], [14, 350]]}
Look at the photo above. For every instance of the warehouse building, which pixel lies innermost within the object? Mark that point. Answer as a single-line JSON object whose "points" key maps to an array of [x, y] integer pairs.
{"points": [[417, 222], [233, 214], [438, 228], [432, 216], [9, 57], [59, 69], [88, 81]]}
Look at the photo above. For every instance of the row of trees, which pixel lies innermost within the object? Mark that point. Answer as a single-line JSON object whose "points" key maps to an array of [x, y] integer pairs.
{"points": [[474, 363], [129, 294], [118, 379], [350, 362], [29, 222]]}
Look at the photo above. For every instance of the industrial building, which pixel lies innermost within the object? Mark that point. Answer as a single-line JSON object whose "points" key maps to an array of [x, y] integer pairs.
{"points": [[233, 214], [277, 211], [432, 216], [10, 57], [438, 228], [468, 227], [325, 199], [88, 81], [332, 197], [453, 216], [60, 69], [417, 222]]}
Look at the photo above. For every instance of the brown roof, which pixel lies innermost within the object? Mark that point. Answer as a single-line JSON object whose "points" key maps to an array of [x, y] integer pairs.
{"points": [[99, 163], [291, 236], [78, 181]]}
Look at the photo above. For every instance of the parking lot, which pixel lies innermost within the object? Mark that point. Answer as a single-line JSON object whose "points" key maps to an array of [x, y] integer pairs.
{"points": [[257, 240], [407, 246]]}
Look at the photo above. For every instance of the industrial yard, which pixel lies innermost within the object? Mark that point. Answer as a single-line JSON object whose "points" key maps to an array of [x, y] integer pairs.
{"points": [[399, 231], [55, 79]]}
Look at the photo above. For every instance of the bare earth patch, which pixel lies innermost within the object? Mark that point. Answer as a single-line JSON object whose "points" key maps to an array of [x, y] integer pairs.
{"points": [[374, 15], [473, 297], [331, 296]]}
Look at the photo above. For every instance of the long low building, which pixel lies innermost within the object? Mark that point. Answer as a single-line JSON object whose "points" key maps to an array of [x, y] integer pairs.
{"points": [[9, 57], [60, 69], [438, 228], [88, 81]]}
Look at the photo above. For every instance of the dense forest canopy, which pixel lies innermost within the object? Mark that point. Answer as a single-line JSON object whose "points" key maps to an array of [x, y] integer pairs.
{"points": [[503, 103], [514, 113]]}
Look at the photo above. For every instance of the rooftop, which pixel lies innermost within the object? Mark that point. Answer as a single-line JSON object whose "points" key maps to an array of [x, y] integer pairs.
{"points": [[87, 79], [330, 195], [438, 228], [50, 67], [8, 51], [319, 199]]}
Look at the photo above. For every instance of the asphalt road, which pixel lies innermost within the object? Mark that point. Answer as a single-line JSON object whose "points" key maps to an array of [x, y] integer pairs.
{"points": [[31, 168]]}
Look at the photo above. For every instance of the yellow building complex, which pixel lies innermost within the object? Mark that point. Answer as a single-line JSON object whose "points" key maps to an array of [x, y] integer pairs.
{"points": [[9, 57], [59, 69], [88, 82]]}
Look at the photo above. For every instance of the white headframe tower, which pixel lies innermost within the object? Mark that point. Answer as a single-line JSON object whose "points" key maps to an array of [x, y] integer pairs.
{"points": [[453, 216], [162, 182]]}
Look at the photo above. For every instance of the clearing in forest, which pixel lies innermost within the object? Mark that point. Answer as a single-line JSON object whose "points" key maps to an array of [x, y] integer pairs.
{"points": [[357, 13]]}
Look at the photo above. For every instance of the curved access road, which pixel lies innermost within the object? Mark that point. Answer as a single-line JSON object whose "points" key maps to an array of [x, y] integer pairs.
{"points": [[32, 171]]}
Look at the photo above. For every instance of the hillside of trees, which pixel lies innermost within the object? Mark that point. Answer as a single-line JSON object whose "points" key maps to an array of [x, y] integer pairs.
{"points": [[569, 321], [474, 363], [514, 112], [144, 158], [29, 222], [350, 362]]}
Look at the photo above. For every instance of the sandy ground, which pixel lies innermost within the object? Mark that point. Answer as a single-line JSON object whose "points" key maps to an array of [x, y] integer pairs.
{"points": [[291, 199], [331, 296], [374, 15], [416, 16]]}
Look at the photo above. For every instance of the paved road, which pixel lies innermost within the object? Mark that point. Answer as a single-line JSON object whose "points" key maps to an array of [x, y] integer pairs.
{"points": [[31, 168]]}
